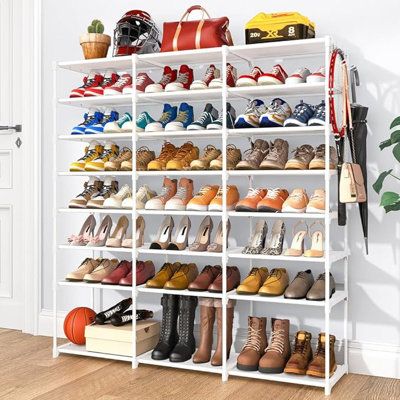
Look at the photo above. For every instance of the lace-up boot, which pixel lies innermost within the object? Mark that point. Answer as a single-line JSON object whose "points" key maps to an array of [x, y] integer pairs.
{"points": [[277, 156], [302, 354]]}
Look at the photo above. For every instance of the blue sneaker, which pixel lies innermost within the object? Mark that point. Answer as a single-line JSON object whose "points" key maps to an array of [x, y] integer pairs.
{"points": [[251, 117], [89, 119], [183, 120], [318, 119], [277, 112], [169, 114], [143, 120], [301, 115], [99, 127]]}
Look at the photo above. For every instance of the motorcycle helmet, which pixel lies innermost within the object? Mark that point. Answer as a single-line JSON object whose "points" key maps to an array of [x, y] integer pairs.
{"points": [[137, 33]]}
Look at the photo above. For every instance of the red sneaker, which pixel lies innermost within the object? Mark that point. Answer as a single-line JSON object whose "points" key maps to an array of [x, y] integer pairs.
{"points": [[123, 269], [142, 81], [183, 80], [109, 79], [276, 77], [124, 80], [251, 79], [231, 77], [144, 271], [92, 80], [211, 74], [169, 75]]}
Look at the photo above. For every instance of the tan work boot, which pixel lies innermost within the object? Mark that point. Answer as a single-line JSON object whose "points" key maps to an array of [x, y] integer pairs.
{"points": [[143, 157], [115, 164], [254, 156], [301, 356], [210, 154], [278, 351], [233, 156], [254, 280], [184, 194], [277, 156], [317, 366], [255, 345], [302, 157], [183, 157], [318, 162]]}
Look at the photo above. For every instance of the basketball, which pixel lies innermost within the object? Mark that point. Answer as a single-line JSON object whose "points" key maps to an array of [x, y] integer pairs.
{"points": [[75, 322]]}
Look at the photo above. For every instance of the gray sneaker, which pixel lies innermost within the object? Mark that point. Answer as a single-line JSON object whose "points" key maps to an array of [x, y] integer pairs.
{"points": [[254, 156], [302, 157], [277, 155], [208, 116]]}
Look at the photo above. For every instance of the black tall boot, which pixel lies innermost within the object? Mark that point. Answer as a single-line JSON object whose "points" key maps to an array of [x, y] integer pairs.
{"points": [[186, 345], [168, 334]]}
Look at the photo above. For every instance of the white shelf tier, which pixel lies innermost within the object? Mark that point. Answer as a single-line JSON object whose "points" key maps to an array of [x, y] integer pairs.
{"points": [[301, 89], [122, 137], [179, 173], [290, 378], [99, 101], [336, 298], [180, 95], [183, 212], [119, 64], [93, 248], [289, 131], [279, 172], [143, 289], [145, 250], [94, 211], [97, 173], [186, 135], [332, 215], [334, 256], [70, 348], [95, 286], [189, 365]]}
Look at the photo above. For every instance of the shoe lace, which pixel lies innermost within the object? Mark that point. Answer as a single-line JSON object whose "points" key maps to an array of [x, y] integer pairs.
{"points": [[273, 193], [142, 154], [125, 191], [123, 81], [182, 116], [107, 81], [181, 192], [89, 119], [208, 151], [167, 151], [125, 118], [165, 116], [107, 153], [89, 82], [275, 107], [203, 191], [89, 154], [203, 118], [231, 151], [165, 191], [302, 151], [302, 275], [274, 152], [140, 78], [89, 189], [320, 111], [253, 339], [320, 151], [253, 108], [165, 79], [302, 108], [254, 192], [300, 346], [320, 349], [141, 192], [317, 196], [125, 154], [183, 150], [276, 70], [254, 72], [209, 74], [106, 190], [277, 341], [141, 117], [183, 77]]}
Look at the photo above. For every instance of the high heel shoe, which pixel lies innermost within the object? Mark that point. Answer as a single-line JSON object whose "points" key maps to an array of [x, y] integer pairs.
{"points": [[317, 242], [102, 234], [164, 234], [115, 239], [273, 246], [182, 234], [297, 247], [140, 226], [85, 233], [216, 245], [203, 236], [257, 241]]}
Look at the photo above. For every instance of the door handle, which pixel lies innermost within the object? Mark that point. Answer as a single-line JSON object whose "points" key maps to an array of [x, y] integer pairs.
{"points": [[16, 128]]}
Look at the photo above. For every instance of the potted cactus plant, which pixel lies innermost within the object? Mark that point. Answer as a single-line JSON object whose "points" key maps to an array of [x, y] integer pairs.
{"points": [[95, 43]]}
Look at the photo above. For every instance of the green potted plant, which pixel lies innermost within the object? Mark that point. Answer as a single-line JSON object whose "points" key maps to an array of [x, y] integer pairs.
{"points": [[390, 201], [95, 43]]}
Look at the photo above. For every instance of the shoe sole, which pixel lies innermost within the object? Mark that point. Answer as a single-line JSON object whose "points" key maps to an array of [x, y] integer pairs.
{"points": [[245, 209], [211, 127], [247, 367], [271, 165], [294, 122], [243, 82], [269, 294], [314, 210], [268, 209], [109, 92], [270, 370], [243, 292], [317, 374], [175, 208], [289, 209], [295, 165], [195, 128], [294, 371], [196, 207], [269, 80]]}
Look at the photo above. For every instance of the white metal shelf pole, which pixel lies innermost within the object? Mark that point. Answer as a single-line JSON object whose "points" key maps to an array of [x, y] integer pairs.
{"points": [[327, 175], [55, 348], [134, 254]]}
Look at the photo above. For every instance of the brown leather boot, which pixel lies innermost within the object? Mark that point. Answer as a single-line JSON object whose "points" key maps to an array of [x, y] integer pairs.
{"points": [[302, 354], [216, 360], [255, 344], [317, 366], [207, 317], [278, 351]]}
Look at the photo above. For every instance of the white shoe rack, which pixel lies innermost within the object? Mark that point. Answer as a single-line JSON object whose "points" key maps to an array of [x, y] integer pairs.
{"points": [[251, 54]]}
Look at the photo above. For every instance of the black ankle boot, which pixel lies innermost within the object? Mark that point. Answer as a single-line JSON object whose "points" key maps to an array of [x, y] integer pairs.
{"points": [[186, 345], [168, 334]]}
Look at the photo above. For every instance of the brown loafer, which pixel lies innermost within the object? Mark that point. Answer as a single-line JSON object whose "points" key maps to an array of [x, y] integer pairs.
{"points": [[232, 281], [205, 279]]}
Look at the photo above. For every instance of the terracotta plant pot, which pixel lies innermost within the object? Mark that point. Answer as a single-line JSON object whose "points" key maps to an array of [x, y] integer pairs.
{"points": [[95, 45]]}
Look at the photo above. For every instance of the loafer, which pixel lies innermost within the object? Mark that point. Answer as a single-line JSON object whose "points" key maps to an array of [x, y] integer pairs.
{"points": [[123, 269], [300, 285], [232, 281], [317, 292], [205, 279]]}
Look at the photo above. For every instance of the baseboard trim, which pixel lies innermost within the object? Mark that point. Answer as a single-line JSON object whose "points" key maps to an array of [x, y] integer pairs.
{"points": [[365, 358]]}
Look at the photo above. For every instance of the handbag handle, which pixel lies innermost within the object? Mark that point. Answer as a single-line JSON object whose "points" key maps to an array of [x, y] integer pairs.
{"points": [[194, 8]]}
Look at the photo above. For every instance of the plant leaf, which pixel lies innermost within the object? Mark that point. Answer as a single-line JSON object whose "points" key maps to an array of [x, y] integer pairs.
{"points": [[396, 152], [379, 182], [392, 207], [389, 198], [395, 122], [385, 143], [395, 137]]}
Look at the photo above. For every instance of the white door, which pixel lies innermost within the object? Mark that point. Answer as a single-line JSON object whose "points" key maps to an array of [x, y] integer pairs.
{"points": [[11, 168]]}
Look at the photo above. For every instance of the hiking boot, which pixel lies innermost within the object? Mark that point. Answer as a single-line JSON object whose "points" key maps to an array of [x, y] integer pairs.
{"points": [[277, 156], [91, 188], [255, 345], [302, 157], [210, 153], [183, 195], [143, 157], [278, 351], [167, 153], [317, 365], [183, 157], [301, 356], [167, 192], [254, 156], [110, 187], [318, 162], [115, 164], [233, 156]]}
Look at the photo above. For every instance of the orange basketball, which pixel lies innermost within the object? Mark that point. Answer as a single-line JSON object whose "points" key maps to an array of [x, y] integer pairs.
{"points": [[75, 322]]}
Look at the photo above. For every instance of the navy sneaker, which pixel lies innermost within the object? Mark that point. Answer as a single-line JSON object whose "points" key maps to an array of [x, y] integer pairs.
{"points": [[169, 114], [230, 119], [251, 117], [89, 119], [99, 127], [301, 115], [318, 119], [276, 114], [208, 116]]}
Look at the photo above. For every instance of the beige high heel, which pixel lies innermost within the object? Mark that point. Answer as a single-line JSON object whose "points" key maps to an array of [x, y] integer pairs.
{"points": [[182, 235], [164, 234], [115, 239], [317, 242], [216, 245], [297, 247], [203, 236], [140, 226]]}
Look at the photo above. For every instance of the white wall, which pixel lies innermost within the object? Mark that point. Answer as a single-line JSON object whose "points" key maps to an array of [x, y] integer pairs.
{"points": [[369, 34]]}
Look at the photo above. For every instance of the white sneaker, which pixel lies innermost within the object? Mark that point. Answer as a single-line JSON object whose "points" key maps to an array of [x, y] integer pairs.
{"points": [[127, 203], [298, 76], [144, 194], [115, 200], [317, 76], [127, 127]]}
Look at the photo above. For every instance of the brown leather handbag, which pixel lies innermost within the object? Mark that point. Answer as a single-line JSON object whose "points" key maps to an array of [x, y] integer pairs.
{"points": [[204, 33]]}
